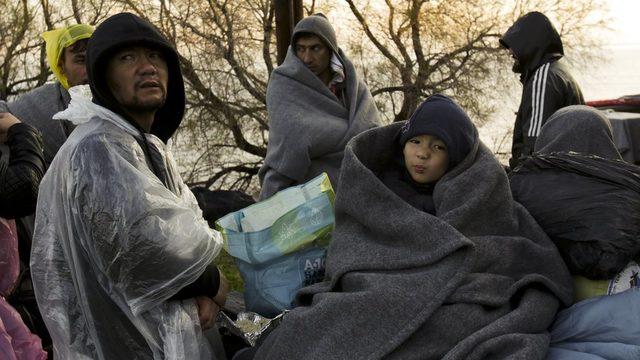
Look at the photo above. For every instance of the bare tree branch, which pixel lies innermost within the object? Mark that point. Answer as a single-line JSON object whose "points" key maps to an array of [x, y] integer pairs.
{"points": [[225, 171], [47, 14], [76, 11], [372, 37]]}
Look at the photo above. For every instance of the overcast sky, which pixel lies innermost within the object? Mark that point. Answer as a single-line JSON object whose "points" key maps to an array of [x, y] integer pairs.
{"points": [[619, 74], [626, 22]]}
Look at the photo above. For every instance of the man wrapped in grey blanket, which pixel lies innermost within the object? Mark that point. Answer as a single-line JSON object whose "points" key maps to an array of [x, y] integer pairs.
{"points": [[479, 279], [309, 124]]}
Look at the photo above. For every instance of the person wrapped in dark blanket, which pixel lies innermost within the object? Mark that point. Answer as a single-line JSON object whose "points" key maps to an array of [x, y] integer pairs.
{"points": [[582, 193], [465, 273]]}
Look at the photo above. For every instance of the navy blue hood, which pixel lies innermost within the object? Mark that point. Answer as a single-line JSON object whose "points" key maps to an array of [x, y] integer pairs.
{"points": [[442, 117]]}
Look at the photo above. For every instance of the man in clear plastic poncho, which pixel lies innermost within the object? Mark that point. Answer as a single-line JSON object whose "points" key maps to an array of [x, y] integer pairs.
{"points": [[122, 258]]}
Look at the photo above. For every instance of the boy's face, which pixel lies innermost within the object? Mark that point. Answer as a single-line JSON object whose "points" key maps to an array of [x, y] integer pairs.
{"points": [[426, 158]]}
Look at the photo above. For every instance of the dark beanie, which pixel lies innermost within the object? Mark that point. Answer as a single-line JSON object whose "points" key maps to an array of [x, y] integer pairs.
{"points": [[442, 117]]}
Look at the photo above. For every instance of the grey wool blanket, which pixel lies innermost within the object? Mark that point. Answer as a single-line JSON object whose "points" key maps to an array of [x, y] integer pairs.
{"points": [[37, 108], [309, 125], [479, 280]]}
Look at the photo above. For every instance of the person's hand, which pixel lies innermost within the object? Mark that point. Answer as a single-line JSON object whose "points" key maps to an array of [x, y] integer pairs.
{"points": [[223, 290], [6, 121], [207, 311]]}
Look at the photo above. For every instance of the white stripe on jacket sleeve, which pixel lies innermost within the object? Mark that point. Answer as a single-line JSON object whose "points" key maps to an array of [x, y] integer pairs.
{"points": [[537, 100]]}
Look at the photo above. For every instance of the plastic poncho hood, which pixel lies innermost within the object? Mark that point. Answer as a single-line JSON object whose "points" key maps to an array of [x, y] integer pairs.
{"points": [[59, 39], [123, 30], [534, 41]]}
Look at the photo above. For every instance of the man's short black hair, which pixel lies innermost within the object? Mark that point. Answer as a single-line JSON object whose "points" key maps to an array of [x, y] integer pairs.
{"points": [[77, 47], [307, 35]]}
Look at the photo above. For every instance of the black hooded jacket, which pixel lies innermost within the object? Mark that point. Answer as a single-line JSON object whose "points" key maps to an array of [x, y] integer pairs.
{"points": [[114, 34], [547, 83]]}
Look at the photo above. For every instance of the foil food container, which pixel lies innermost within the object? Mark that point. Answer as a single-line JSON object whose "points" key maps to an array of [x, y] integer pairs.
{"points": [[249, 326]]}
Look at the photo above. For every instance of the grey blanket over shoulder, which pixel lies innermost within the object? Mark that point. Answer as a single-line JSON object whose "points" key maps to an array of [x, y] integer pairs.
{"points": [[480, 280], [309, 126], [37, 108]]}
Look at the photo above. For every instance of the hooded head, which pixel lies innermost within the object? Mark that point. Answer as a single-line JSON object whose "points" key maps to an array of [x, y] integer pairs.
{"points": [[60, 39], [580, 129], [314, 43], [533, 41], [317, 25], [441, 117], [126, 30]]}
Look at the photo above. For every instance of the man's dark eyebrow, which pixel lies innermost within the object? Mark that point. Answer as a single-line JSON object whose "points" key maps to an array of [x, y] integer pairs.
{"points": [[309, 46]]}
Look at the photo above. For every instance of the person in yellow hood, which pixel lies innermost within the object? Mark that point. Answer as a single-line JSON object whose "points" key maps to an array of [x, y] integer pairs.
{"points": [[65, 53], [65, 49]]}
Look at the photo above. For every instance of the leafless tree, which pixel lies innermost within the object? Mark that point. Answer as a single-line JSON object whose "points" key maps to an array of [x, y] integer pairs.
{"points": [[422, 47], [22, 61], [226, 54], [406, 50]]}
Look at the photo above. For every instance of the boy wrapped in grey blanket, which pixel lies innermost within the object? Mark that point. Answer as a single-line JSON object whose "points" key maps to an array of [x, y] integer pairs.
{"points": [[464, 273]]}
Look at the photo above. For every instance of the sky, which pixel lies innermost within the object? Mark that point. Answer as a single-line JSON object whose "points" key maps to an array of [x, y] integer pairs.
{"points": [[619, 73], [626, 25]]}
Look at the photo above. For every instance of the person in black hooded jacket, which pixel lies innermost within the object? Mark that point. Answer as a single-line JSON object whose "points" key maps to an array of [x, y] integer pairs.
{"points": [[122, 257], [536, 48]]}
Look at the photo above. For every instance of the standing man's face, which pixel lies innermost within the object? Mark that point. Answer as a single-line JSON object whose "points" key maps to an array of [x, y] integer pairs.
{"points": [[138, 78], [72, 64], [314, 54], [516, 63]]}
